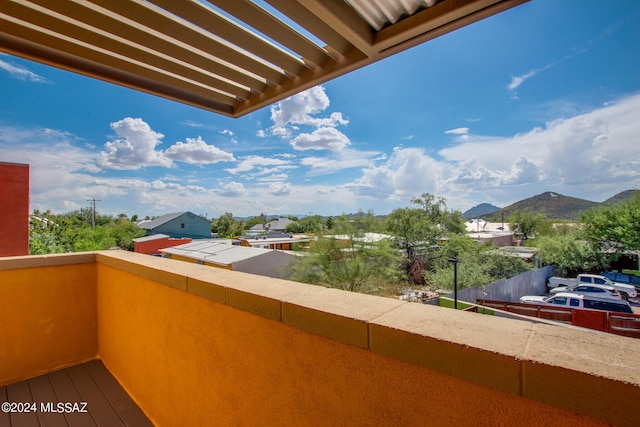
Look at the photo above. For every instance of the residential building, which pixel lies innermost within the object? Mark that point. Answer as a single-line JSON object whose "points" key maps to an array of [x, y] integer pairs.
{"points": [[178, 225], [14, 209], [366, 238], [496, 233], [151, 245], [282, 241], [277, 226], [224, 253]]}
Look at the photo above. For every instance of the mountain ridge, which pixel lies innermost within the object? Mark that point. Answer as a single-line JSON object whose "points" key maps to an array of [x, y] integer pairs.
{"points": [[554, 205], [480, 210]]}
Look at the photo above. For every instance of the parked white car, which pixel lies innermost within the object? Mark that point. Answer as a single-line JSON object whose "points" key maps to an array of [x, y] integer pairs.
{"points": [[571, 300], [601, 291], [627, 291]]}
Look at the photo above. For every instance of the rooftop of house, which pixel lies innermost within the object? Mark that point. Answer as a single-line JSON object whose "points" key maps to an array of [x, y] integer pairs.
{"points": [[365, 238], [278, 224], [275, 238], [150, 224], [217, 251], [476, 226], [150, 238]]}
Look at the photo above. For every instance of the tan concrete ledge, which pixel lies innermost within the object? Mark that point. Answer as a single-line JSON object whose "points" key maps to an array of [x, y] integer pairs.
{"points": [[49, 260], [339, 315], [586, 372], [163, 271], [478, 348]]}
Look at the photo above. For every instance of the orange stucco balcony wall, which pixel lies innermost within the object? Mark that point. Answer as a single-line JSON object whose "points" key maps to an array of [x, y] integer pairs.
{"points": [[195, 345]]}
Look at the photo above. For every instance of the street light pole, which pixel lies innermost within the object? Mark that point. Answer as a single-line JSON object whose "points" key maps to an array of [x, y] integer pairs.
{"points": [[455, 281]]}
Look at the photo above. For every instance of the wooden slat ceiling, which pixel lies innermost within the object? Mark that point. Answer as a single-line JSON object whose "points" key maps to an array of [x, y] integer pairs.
{"points": [[228, 56]]}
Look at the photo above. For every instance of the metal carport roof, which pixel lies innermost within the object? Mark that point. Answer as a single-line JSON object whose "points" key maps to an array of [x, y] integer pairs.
{"points": [[228, 56]]}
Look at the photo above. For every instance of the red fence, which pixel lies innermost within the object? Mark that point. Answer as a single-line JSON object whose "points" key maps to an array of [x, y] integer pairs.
{"points": [[606, 321]]}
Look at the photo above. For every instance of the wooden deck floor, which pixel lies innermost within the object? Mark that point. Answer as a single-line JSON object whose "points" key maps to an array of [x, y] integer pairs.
{"points": [[107, 404]]}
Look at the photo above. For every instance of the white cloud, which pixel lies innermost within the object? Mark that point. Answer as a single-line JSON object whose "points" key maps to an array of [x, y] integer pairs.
{"points": [[261, 165], [321, 139], [279, 189], [273, 178], [591, 155], [233, 189], [158, 184], [135, 148], [340, 161], [463, 133], [458, 131], [518, 80], [522, 171], [375, 182], [21, 73], [300, 109], [409, 172], [230, 134], [59, 167], [136, 183], [197, 151]]}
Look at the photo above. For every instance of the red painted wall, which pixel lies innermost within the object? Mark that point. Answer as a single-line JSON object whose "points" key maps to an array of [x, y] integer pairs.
{"points": [[14, 209], [153, 246]]}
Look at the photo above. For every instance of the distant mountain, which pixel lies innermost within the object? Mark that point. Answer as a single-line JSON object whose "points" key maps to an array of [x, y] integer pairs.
{"points": [[622, 197], [551, 205], [480, 210]]}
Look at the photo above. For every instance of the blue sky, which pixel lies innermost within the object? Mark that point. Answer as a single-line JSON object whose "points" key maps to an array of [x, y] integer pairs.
{"points": [[543, 97]]}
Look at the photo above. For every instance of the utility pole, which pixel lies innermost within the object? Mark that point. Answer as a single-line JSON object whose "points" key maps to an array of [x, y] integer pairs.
{"points": [[455, 281], [93, 219]]}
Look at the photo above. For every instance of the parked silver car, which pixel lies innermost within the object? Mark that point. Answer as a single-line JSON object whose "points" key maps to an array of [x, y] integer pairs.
{"points": [[591, 290], [577, 301]]}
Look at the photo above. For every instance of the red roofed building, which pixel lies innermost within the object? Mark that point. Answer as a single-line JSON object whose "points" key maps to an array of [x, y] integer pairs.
{"points": [[151, 245]]}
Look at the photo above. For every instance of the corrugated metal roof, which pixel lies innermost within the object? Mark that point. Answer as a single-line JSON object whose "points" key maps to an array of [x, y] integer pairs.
{"points": [[214, 251], [156, 222], [382, 13], [150, 225], [227, 56]]}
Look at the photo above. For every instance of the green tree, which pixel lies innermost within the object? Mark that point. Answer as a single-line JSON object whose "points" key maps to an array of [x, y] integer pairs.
{"points": [[309, 224], [227, 226], [570, 254], [478, 264], [123, 231], [42, 241], [525, 223], [417, 230], [329, 223], [346, 261], [70, 232], [613, 229]]}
